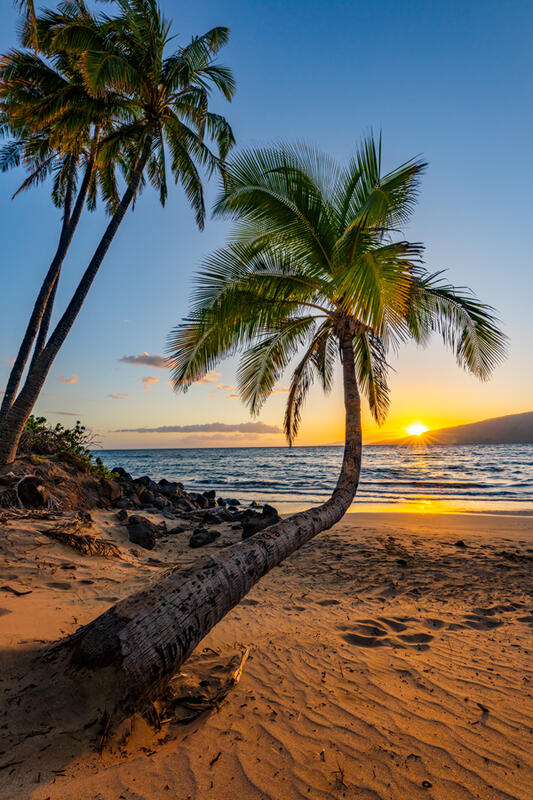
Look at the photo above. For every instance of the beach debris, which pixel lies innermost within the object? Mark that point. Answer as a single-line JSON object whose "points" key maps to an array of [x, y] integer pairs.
{"points": [[201, 689], [144, 532], [70, 533], [203, 536]]}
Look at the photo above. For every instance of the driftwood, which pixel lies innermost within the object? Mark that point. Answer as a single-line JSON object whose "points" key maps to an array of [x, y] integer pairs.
{"points": [[70, 533]]}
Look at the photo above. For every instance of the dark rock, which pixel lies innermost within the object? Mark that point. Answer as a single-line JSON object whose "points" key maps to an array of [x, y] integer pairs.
{"points": [[211, 503], [146, 496], [177, 529], [144, 532], [233, 502], [202, 536], [253, 504], [160, 503], [221, 502], [169, 489], [144, 480], [460, 543], [122, 473], [8, 479], [199, 499], [32, 492], [210, 494], [111, 490], [253, 522], [122, 515]]}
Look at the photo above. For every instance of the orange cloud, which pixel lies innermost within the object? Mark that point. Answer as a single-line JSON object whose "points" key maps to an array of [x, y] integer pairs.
{"points": [[72, 380], [118, 396], [148, 381], [209, 377]]}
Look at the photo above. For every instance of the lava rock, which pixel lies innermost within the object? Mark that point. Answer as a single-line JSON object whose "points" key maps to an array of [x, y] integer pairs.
{"points": [[221, 502], [177, 529], [460, 544], [210, 494], [253, 523], [111, 490], [203, 536], [32, 492], [121, 473], [232, 502], [122, 515], [144, 532]]}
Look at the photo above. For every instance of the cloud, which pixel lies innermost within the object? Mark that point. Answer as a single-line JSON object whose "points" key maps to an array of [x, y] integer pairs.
{"points": [[209, 377], [64, 379], [224, 386], [9, 361], [120, 396], [148, 381], [157, 361], [65, 413], [207, 427], [275, 390]]}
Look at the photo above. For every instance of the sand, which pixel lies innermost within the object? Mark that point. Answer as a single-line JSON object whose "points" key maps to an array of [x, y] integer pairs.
{"points": [[386, 662]]}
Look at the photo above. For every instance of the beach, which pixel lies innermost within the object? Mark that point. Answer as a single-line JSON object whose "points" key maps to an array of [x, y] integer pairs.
{"points": [[389, 658]]}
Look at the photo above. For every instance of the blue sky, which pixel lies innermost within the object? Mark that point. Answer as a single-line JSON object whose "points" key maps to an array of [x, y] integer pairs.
{"points": [[450, 80]]}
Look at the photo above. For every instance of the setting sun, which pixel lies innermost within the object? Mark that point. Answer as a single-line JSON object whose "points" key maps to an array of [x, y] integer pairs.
{"points": [[416, 429]]}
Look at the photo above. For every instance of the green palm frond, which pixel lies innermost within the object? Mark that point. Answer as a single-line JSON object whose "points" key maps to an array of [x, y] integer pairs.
{"points": [[315, 252]]}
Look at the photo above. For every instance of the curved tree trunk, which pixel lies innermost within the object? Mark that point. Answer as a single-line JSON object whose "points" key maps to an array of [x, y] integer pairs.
{"points": [[147, 636], [42, 310], [17, 415]]}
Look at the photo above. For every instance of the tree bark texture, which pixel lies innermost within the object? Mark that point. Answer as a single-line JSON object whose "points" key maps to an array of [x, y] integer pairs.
{"points": [[147, 636], [42, 310]]}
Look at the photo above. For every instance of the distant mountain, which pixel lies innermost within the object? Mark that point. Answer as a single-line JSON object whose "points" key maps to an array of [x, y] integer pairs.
{"points": [[511, 429]]}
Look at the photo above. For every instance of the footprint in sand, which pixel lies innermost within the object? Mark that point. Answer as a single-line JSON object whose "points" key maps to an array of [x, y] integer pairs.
{"points": [[416, 638], [480, 622], [370, 633]]}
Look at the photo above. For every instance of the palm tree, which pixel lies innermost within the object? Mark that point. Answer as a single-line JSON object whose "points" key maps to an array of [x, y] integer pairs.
{"points": [[315, 262], [55, 128], [164, 112]]}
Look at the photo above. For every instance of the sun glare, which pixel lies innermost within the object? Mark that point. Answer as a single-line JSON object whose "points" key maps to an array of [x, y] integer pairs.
{"points": [[416, 429]]}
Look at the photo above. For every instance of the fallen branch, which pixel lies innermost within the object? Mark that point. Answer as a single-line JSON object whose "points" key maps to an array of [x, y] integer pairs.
{"points": [[69, 534]]}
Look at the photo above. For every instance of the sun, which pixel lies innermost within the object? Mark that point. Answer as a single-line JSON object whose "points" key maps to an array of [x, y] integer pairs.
{"points": [[416, 429]]}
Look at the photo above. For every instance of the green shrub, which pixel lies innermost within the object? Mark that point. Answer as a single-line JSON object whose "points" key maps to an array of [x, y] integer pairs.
{"points": [[40, 439]]}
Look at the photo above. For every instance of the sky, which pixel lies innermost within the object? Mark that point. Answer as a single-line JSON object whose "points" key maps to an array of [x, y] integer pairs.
{"points": [[448, 80]]}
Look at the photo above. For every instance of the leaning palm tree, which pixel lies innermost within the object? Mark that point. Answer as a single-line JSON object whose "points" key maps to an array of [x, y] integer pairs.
{"points": [[164, 116], [55, 127], [316, 264]]}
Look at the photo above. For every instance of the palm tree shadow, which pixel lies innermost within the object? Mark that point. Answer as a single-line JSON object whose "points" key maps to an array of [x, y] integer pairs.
{"points": [[49, 716]]}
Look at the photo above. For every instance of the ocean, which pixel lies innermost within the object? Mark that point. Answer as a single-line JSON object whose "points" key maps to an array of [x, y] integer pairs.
{"points": [[470, 478]]}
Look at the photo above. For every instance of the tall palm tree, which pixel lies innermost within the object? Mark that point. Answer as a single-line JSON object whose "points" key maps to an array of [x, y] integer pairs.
{"points": [[315, 263], [164, 115], [55, 127]]}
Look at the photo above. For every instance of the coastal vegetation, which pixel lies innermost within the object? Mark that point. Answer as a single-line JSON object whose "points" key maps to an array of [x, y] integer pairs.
{"points": [[96, 100]]}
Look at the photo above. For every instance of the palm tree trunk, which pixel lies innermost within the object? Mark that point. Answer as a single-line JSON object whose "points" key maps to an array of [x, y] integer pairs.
{"points": [[17, 415], [146, 637], [45, 299]]}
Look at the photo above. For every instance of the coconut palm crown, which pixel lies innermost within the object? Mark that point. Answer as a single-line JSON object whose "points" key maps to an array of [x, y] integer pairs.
{"points": [[316, 255]]}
